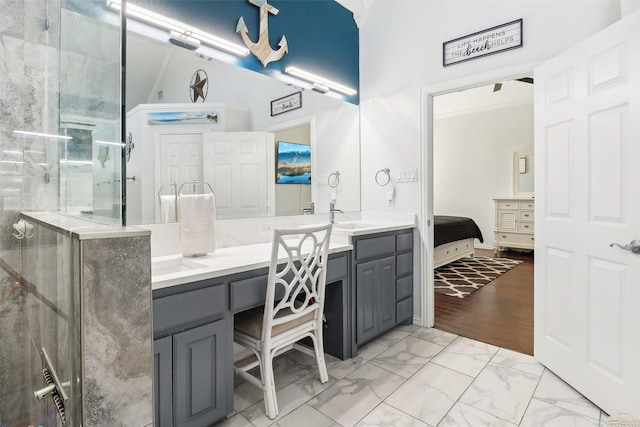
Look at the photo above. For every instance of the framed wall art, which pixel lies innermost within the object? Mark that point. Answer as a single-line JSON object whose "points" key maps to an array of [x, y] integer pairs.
{"points": [[482, 43], [287, 103]]}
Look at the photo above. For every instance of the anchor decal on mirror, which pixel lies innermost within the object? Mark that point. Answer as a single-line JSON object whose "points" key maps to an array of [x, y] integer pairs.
{"points": [[262, 49]]}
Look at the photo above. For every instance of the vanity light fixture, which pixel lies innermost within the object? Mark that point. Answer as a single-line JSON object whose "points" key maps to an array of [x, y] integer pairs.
{"points": [[184, 40], [180, 28], [320, 88], [320, 81], [40, 134]]}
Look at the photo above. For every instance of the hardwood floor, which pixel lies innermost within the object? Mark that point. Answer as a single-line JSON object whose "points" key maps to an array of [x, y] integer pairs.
{"points": [[501, 313]]}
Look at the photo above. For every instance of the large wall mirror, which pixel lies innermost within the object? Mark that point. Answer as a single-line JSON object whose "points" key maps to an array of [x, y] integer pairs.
{"points": [[87, 173], [523, 176], [159, 77]]}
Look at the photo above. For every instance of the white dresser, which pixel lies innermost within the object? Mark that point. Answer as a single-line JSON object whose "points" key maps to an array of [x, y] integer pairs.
{"points": [[514, 223]]}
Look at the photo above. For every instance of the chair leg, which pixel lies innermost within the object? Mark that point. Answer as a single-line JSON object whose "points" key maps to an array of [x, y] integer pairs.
{"points": [[319, 349], [269, 386]]}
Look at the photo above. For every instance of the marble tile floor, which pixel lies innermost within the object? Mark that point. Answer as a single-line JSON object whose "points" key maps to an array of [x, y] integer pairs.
{"points": [[418, 377]]}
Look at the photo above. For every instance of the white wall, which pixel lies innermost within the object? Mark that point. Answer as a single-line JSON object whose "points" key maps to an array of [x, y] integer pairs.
{"points": [[472, 161], [401, 52]]}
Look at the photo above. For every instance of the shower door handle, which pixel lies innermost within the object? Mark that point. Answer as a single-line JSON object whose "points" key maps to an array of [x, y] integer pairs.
{"points": [[54, 387], [45, 391]]}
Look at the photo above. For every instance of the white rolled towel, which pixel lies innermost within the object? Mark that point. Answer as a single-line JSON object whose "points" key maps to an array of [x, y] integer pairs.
{"points": [[196, 218], [168, 208]]}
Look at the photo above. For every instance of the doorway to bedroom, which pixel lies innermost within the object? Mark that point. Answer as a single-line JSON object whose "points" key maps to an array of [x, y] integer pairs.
{"points": [[482, 162]]}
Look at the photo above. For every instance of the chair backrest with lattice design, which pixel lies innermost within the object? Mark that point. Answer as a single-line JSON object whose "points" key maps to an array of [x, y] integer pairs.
{"points": [[295, 289]]}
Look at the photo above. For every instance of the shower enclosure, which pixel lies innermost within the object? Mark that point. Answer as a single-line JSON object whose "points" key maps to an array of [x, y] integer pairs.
{"points": [[60, 153]]}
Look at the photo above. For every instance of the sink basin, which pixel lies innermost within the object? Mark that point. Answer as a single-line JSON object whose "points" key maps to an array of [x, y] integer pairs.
{"points": [[176, 265]]}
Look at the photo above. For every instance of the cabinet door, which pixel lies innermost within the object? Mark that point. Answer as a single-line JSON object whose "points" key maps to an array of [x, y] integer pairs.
{"points": [[387, 293], [507, 220], [199, 375], [367, 296], [163, 382]]}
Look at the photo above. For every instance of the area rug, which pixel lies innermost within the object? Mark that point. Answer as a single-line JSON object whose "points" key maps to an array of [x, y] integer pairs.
{"points": [[467, 275]]}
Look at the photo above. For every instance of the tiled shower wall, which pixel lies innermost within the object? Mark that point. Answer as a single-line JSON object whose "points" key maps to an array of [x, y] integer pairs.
{"points": [[47, 76], [28, 171], [28, 101]]}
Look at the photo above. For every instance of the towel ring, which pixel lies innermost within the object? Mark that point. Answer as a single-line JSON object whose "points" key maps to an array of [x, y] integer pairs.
{"points": [[333, 183], [378, 179]]}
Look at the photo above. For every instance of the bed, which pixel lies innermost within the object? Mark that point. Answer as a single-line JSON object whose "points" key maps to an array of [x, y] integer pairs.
{"points": [[453, 238]]}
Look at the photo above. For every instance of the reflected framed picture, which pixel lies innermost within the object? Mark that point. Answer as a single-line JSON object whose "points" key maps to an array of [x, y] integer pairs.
{"points": [[286, 103], [293, 163]]}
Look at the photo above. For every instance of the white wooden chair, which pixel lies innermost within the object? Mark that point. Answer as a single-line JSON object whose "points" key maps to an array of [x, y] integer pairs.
{"points": [[293, 307]]}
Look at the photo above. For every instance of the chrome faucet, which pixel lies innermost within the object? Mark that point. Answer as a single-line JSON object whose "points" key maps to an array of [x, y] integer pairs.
{"points": [[332, 211], [310, 210]]}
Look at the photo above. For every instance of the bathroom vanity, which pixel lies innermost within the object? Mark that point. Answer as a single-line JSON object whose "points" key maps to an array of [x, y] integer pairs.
{"points": [[369, 291], [383, 267]]}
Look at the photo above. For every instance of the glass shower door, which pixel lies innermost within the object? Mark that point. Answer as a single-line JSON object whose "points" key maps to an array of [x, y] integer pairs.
{"points": [[60, 151]]}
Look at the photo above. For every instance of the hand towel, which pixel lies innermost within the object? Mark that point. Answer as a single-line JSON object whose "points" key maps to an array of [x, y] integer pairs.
{"points": [[168, 208], [196, 217]]}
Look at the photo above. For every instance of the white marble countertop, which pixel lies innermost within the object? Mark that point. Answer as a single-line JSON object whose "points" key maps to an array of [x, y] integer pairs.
{"points": [[174, 270], [364, 227], [171, 270]]}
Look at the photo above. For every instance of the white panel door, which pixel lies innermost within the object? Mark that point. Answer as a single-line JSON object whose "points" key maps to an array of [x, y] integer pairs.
{"points": [[235, 164], [180, 158], [587, 144]]}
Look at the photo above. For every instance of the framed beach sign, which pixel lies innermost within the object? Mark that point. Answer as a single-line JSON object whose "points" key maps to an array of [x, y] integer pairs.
{"points": [[482, 43], [287, 103]]}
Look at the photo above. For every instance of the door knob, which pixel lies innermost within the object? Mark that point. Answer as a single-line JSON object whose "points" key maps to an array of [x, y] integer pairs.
{"points": [[633, 246]]}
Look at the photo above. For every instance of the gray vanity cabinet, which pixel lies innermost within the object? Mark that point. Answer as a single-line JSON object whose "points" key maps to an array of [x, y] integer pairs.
{"points": [[193, 339], [383, 282], [163, 381], [375, 298], [191, 360], [404, 277], [198, 362]]}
